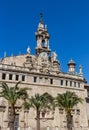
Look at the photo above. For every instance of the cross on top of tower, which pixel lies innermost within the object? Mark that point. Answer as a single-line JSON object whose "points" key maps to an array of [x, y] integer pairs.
{"points": [[41, 17]]}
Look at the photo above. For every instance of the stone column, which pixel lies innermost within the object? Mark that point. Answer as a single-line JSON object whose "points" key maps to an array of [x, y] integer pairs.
{"points": [[13, 77], [20, 77], [7, 76]]}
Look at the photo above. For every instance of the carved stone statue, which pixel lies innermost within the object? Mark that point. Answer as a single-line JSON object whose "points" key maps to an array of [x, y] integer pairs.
{"points": [[28, 50], [54, 56]]}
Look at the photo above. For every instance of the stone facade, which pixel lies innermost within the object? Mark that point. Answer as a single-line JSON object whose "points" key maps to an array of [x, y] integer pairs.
{"points": [[41, 72]]}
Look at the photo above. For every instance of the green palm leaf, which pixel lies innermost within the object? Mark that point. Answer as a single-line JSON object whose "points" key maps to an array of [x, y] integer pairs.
{"points": [[67, 101], [12, 94]]}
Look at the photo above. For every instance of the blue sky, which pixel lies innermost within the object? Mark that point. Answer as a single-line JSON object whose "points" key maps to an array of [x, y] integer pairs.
{"points": [[68, 26]]}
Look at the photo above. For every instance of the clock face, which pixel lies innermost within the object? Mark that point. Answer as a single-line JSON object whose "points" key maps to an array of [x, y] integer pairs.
{"points": [[43, 59], [43, 55]]}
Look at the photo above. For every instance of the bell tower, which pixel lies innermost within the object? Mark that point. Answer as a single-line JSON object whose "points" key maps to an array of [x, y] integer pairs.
{"points": [[42, 37]]}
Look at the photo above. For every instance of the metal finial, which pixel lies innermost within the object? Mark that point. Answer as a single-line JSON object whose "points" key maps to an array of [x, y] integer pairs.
{"points": [[41, 17]]}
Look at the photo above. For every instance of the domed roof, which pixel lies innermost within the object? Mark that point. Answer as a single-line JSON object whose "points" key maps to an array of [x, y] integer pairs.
{"points": [[71, 62]]}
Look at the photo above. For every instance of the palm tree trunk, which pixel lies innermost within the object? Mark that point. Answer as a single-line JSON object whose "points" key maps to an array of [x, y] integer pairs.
{"points": [[38, 120], [69, 121], [12, 117]]}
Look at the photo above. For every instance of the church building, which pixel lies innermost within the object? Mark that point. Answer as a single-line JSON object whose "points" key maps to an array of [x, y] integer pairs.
{"points": [[42, 73]]}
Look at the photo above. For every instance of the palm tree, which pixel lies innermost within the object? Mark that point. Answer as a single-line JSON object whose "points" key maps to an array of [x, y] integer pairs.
{"points": [[49, 101], [67, 101], [39, 103], [12, 94]]}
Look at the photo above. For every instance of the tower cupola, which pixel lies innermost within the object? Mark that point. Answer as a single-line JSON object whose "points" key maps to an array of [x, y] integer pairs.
{"points": [[42, 37], [71, 66]]}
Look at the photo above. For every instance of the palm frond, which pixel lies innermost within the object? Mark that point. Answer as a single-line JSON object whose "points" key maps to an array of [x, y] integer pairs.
{"points": [[67, 100]]}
